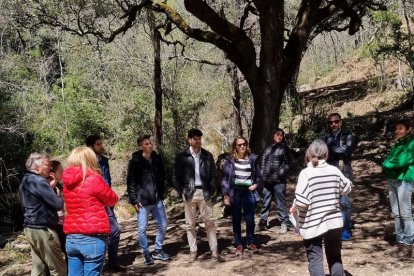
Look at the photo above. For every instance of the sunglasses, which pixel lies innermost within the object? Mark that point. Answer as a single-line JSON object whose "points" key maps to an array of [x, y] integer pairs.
{"points": [[241, 145], [334, 122]]}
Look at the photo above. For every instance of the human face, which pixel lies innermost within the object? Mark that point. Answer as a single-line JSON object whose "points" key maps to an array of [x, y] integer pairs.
{"points": [[146, 146], [44, 168], [98, 147], [58, 173], [335, 123], [241, 147], [195, 143], [401, 131], [278, 137]]}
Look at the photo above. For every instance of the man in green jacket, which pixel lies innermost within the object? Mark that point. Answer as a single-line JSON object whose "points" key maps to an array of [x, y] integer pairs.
{"points": [[399, 168]]}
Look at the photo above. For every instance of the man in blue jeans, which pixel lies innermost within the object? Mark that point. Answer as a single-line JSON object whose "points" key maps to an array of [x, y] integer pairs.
{"points": [[341, 144], [146, 188], [275, 164], [95, 143]]}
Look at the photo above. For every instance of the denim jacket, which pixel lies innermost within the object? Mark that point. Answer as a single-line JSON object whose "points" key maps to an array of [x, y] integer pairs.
{"points": [[341, 145]]}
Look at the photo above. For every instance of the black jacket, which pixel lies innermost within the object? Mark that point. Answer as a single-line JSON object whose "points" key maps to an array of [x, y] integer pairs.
{"points": [[39, 202], [145, 179], [276, 162], [184, 174]]}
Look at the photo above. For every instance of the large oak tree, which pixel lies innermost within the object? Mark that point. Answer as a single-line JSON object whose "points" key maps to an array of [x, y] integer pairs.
{"points": [[269, 62]]}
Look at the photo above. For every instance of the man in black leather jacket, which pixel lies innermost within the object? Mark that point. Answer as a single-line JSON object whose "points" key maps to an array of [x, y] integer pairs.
{"points": [[194, 179]]}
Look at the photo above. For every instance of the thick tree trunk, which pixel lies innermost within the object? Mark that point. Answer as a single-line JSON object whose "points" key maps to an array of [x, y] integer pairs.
{"points": [[265, 118], [156, 44]]}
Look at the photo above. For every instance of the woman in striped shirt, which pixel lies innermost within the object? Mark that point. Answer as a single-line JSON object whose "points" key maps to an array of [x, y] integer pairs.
{"points": [[241, 177], [317, 200]]}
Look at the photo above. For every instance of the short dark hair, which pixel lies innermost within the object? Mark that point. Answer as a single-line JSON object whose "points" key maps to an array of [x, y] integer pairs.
{"points": [[142, 138], [334, 114], [279, 130], [91, 139], [194, 132], [54, 165], [403, 121]]}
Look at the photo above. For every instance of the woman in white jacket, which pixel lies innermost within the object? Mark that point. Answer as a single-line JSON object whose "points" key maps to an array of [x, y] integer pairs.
{"points": [[317, 201]]}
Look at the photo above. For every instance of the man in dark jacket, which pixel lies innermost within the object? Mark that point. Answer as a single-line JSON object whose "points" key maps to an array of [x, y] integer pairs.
{"points": [[40, 205], [146, 188], [341, 144], [276, 162], [194, 179], [95, 143]]}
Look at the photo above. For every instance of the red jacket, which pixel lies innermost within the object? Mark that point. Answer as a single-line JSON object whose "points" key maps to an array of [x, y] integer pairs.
{"points": [[85, 202]]}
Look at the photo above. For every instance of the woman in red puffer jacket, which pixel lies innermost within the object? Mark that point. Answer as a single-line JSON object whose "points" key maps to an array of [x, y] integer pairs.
{"points": [[86, 224]]}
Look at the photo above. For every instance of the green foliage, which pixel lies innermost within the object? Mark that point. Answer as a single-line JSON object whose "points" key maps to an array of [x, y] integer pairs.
{"points": [[392, 38]]}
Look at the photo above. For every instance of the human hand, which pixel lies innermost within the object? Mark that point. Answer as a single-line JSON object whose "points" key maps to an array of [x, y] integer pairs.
{"points": [[293, 209], [137, 206], [53, 181], [253, 187], [226, 200]]}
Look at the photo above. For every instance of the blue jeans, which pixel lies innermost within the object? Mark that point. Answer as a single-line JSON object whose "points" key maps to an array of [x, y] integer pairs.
{"points": [[114, 238], [86, 254], [243, 203], [346, 210], [278, 191], [400, 199], [158, 212]]}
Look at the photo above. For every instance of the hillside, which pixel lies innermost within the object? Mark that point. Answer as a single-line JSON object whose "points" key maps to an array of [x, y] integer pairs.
{"points": [[351, 89]]}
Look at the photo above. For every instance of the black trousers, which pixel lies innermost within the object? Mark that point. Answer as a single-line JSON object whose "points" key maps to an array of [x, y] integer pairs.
{"points": [[333, 243]]}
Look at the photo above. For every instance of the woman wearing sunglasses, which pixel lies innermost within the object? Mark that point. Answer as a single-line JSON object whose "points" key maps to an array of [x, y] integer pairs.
{"points": [[241, 177]]}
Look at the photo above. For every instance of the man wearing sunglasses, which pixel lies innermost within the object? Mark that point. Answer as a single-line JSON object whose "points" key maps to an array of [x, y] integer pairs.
{"points": [[341, 144]]}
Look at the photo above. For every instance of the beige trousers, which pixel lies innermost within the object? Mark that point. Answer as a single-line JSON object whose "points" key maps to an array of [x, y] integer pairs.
{"points": [[206, 213], [46, 252]]}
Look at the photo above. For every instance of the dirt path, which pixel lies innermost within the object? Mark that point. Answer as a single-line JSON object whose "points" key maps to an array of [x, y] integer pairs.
{"points": [[278, 255], [283, 255]]}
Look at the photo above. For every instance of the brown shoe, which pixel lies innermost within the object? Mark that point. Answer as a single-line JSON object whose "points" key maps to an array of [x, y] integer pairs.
{"points": [[239, 250], [395, 250], [218, 257], [192, 257], [406, 251], [253, 248]]}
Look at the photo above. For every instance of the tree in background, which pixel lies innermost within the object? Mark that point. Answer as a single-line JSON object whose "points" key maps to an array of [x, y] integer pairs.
{"points": [[269, 59], [394, 38]]}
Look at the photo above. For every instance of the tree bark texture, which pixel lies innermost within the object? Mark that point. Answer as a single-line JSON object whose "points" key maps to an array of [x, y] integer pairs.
{"points": [[156, 44], [235, 88]]}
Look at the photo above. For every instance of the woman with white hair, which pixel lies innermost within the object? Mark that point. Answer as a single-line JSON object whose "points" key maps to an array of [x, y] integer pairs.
{"points": [[317, 201]]}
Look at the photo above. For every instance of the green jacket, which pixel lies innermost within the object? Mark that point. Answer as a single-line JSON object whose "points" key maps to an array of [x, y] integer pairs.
{"points": [[399, 163]]}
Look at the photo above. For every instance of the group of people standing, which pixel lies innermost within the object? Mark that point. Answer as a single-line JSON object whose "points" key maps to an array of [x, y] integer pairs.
{"points": [[71, 229], [91, 227]]}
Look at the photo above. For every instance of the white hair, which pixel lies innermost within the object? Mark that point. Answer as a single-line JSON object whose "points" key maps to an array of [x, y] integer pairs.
{"points": [[35, 160], [316, 151]]}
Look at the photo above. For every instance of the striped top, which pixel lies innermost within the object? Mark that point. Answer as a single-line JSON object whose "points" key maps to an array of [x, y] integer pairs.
{"points": [[317, 199], [242, 173]]}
